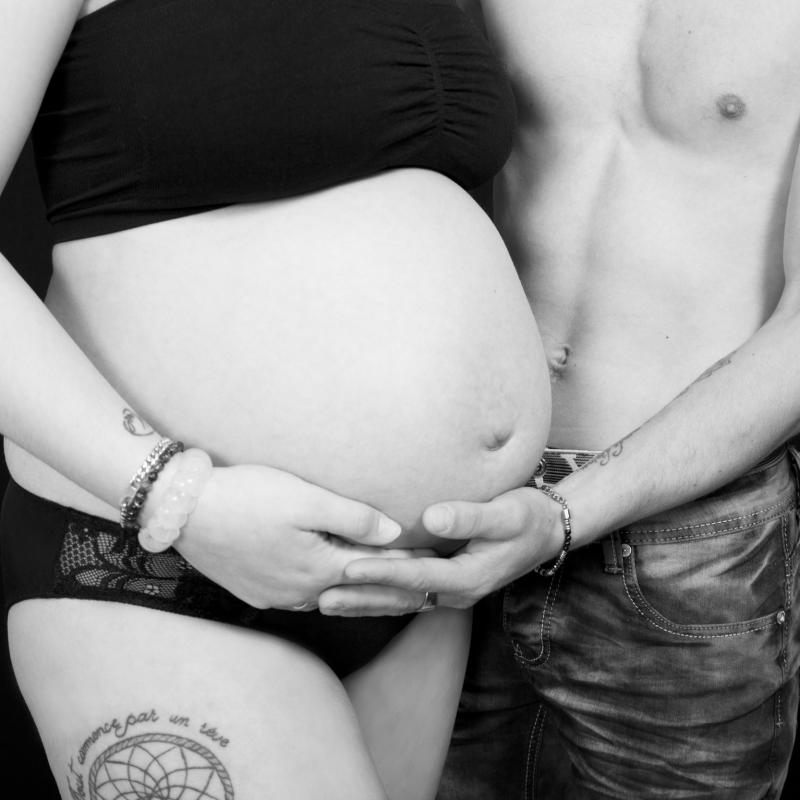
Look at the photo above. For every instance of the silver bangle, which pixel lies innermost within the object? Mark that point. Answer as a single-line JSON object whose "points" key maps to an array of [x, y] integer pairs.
{"points": [[143, 479], [548, 570]]}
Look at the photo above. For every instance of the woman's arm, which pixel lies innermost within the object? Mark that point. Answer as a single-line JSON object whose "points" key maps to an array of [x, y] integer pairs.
{"points": [[57, 406], [36, 356]]}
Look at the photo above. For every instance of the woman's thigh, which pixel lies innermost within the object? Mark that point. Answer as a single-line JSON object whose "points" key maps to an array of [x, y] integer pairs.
{"points": [[132, 702], [406, 700]]}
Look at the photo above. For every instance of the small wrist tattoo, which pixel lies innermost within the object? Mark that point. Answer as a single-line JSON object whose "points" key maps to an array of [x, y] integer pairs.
{"points": [[134, 424]]}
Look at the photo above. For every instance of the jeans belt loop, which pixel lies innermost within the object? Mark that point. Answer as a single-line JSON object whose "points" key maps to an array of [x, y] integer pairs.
{"points": [[613, 562]]}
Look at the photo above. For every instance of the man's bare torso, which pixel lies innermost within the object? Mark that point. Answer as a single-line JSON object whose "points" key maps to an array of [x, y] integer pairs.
{"points": [[644, 200]]}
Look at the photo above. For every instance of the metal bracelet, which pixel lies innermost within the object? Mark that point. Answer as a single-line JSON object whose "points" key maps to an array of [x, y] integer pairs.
{"points": [[548, 570], [142, 481]]}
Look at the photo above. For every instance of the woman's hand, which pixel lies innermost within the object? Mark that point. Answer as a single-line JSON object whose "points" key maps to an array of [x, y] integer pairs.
{"points": [[276, 541], [507, 537]]}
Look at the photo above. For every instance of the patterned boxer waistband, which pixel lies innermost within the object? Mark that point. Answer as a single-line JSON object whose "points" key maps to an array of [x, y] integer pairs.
{"points": [[556, 464]]}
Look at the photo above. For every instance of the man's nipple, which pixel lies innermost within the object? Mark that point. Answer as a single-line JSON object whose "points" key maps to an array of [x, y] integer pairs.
{"points": [[731, 106]]}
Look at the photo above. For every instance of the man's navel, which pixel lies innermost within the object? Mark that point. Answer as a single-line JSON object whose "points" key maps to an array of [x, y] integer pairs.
{"points": [[557, 360]]}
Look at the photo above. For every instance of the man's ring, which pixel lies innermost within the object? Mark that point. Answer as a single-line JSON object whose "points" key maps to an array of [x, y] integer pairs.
{"points": [[429, 603]]}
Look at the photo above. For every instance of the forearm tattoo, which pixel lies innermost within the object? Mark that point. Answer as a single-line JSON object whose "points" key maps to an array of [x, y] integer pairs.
{"points": [[134, 424], [616, 449], [715, 367], [601, 459], [723, 362], [120, 761]]}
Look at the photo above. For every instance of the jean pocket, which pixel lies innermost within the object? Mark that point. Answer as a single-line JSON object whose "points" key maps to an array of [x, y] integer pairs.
{"points": [[719, 582], [794, 459]]}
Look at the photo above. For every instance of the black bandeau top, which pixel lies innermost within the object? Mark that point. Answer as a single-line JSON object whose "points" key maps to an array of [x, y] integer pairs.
{"points": [[164, 108]]}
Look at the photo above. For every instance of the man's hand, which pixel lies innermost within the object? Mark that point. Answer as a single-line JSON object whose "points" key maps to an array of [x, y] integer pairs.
{"points": [[506, 538]]}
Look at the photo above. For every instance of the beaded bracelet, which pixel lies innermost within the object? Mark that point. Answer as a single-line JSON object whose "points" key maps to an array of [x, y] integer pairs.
{"points": [[566, 524], [191, 476], [143, 480]]}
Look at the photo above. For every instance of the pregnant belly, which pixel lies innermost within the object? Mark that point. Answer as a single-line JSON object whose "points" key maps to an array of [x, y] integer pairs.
{"points": [[373, 339]]}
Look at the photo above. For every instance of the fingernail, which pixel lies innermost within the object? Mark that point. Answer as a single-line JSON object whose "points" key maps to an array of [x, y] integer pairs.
{"points": [[439, 518], [388, 528]]}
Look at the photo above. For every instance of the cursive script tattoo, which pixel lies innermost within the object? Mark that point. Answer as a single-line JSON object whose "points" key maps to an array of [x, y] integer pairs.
{"points": [[128, 764], [134, 424], [119, 729], [214, 735], [602, 458]]}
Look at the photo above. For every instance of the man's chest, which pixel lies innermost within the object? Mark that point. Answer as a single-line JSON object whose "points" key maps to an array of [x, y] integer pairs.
{"points": [[690, 69]]}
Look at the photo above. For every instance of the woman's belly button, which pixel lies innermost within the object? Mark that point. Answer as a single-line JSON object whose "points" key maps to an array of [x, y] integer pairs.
{"points": [[495, 440]]}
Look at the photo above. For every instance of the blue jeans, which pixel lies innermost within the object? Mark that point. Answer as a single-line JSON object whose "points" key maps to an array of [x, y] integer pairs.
{"points": [[661, 662]]}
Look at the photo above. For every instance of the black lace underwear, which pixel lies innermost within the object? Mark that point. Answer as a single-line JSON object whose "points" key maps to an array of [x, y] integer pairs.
{"points": [[52, 551]]}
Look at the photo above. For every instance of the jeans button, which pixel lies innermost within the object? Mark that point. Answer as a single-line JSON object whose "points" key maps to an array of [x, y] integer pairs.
{"points": [[626, 550], [781, 617]]}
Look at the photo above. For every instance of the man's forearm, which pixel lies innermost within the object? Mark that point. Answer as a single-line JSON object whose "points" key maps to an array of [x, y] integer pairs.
{"points": [[734, 414]]}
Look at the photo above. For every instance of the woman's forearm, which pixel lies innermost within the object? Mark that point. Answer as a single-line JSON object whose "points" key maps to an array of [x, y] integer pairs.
{"points": [[56, 405]]}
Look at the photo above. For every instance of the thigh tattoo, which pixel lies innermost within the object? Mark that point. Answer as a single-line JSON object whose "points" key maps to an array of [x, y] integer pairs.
{"points": [[157, 765]]}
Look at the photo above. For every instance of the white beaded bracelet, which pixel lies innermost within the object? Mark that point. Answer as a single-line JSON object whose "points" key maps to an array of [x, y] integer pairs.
{"points": [[194, 470]]}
